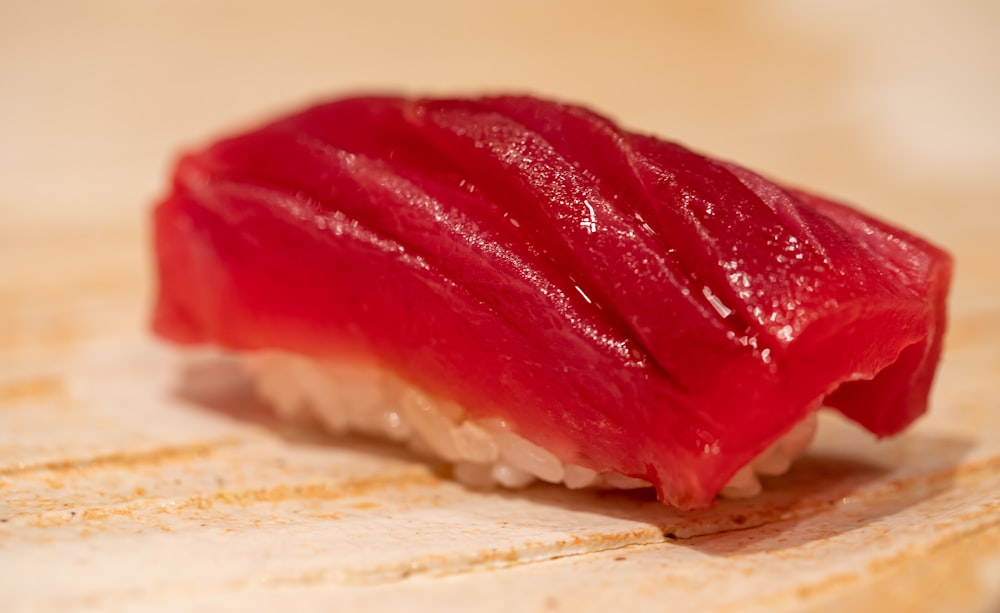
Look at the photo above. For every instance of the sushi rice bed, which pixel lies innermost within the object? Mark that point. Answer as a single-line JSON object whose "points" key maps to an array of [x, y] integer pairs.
{"points": [[484, 453]]}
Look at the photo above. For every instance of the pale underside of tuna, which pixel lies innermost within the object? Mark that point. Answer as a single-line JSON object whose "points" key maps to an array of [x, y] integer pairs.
{"points": [[620, 301]]}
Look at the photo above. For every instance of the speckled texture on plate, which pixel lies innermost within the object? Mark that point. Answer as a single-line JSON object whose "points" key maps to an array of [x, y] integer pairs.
{"points": [[132, 477]]}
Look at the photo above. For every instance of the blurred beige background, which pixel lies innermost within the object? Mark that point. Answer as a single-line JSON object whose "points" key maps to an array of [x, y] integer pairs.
{"points": [[889, 103]]}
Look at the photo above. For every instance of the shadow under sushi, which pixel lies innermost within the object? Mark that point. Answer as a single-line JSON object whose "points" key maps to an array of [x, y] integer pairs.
{"points": [[851, 480], [833, 494]]}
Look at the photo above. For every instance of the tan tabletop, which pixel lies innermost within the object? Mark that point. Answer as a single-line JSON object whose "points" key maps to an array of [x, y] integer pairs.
{"points": [[126, 484]]}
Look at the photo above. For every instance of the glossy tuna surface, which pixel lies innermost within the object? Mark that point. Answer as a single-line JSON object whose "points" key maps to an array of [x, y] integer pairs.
{"points": [[622, 301]]}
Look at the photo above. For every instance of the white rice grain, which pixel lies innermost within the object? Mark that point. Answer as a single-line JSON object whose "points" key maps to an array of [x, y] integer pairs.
{"points": [[351, 397]]}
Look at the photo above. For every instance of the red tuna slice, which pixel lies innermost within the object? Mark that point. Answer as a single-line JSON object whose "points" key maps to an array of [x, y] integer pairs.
{"points": [[623, 302]]}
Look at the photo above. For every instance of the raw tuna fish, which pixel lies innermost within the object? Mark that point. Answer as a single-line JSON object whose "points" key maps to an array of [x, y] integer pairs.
{"points": [[618, 300]]}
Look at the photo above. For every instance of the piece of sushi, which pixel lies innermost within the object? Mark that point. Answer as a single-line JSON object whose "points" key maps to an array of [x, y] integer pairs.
{"points": [[530, 291]]}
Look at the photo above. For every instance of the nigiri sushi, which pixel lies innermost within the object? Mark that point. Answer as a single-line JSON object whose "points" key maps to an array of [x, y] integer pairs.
{"points": [[530, 291]]}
